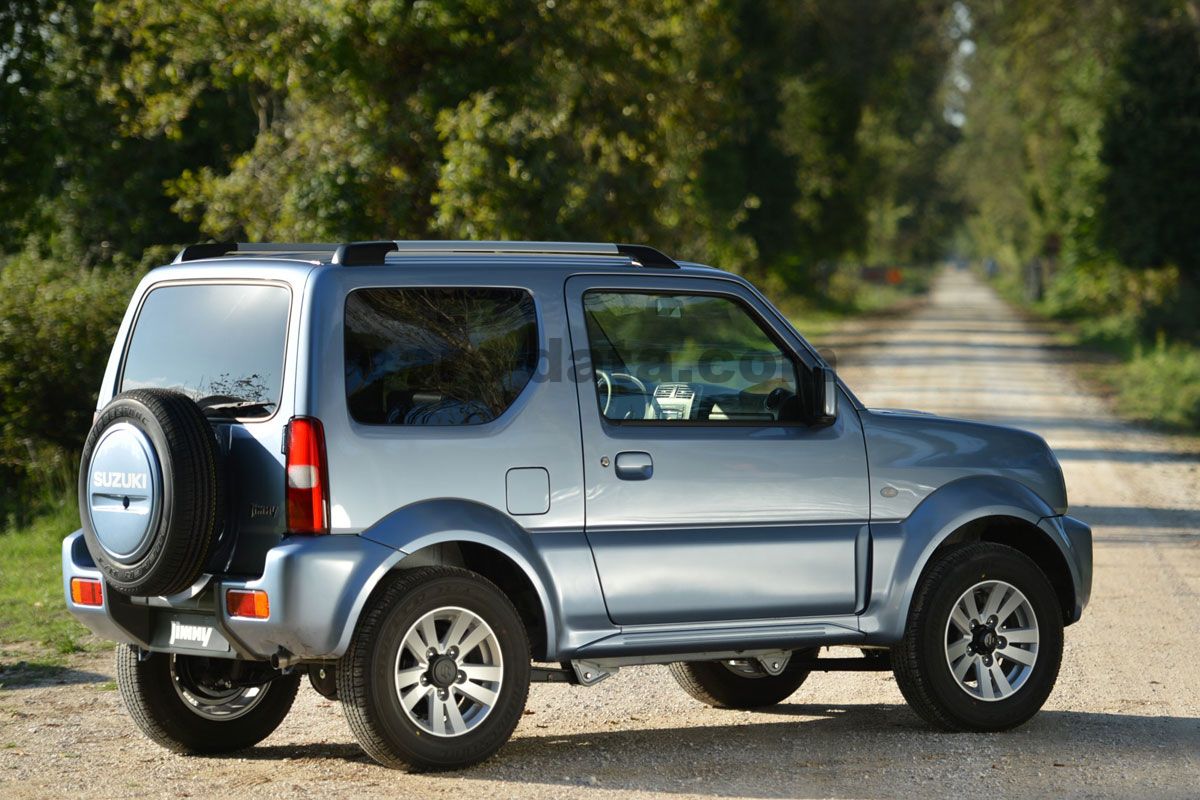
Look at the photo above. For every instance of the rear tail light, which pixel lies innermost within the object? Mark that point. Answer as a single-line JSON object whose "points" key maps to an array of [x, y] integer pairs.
{"points": [[307, 477], [87, 592], [252, 603]]}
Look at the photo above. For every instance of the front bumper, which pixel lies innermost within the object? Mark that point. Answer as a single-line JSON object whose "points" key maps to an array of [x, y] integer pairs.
{"points": [[1077, 537], [317, 586]]}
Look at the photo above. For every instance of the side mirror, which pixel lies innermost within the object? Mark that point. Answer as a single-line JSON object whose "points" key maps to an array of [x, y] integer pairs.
{"points": [[825, 396]]}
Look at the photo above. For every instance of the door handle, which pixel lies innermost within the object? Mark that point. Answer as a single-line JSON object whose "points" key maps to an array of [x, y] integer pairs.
{"points": [[634, 465]]}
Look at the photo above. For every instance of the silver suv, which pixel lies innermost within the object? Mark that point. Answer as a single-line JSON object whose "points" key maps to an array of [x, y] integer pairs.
{"points": [[426, 474]]}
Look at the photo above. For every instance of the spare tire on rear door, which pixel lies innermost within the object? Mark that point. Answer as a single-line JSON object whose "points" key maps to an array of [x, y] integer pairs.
{"points": [[151, 493]]}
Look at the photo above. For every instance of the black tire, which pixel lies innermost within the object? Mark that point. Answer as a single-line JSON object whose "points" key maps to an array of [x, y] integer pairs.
{"points": [[920, 660], [714, 684], [366, 682], [183, 528], [148, 689]]}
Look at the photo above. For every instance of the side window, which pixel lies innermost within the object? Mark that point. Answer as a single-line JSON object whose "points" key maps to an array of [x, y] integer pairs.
{"points": [[686, 358], [437, 356]]}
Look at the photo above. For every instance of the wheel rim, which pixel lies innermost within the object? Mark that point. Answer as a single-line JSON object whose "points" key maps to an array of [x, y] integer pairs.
{"points": [[745, 668], [212, 702], [449, 672], [991, 640]]}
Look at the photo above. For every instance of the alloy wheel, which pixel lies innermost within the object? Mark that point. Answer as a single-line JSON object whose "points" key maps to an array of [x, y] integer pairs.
{"points": [[991, 640], [449, 671]]}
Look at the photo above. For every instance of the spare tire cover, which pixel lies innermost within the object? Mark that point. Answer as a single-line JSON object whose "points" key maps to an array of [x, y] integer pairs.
{"points": [[151, 495]]}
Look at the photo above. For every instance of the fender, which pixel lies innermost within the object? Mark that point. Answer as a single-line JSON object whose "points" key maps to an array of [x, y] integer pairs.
{"points": [[900, 550], [444, 520]]}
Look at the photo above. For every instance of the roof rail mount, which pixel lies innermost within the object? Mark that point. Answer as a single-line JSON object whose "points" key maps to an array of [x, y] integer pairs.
{"points": [[363, 254], [195, 252], [647, 256]]}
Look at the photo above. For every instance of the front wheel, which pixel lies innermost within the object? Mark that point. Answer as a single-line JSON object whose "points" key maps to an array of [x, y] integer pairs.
{"points": [[742, 683], [437, 673], [192, 704], [984, 640]]}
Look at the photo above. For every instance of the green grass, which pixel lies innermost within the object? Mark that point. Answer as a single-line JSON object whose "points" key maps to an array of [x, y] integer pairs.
{"points": [[1160, 385], [33, 614]]}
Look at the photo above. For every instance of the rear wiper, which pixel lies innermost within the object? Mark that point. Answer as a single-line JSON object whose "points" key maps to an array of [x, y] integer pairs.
{"points": [[219, 409]]}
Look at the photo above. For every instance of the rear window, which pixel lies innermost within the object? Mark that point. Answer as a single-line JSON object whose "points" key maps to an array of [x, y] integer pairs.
{"points": [[222, 345], [443, 356]]}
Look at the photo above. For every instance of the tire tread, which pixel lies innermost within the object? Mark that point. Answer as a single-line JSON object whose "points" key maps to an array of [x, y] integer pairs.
{"points": [[157, 710], [714, 685], [197, 499], [354, 685], [913, 677]]}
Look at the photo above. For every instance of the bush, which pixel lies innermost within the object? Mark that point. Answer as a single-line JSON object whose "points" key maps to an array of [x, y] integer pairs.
{"points": [[57, 323], [1162, 385]]}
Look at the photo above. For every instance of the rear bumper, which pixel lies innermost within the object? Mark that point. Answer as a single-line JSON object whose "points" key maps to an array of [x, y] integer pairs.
{"points": [[316, 586]]}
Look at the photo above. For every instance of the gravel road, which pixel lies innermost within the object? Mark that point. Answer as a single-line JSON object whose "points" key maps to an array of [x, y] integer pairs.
{"points": [[1123, 721]]}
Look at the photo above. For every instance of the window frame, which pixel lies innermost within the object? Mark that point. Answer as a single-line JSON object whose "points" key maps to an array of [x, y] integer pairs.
{"points": [[759, 321], [538, 328], [170, 284]]}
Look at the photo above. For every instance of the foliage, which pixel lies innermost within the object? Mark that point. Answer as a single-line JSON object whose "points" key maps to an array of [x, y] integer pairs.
{"points": [[1082, 129], [774, 137], [1151, 148], [726, 129], [1161, 385], [56, 329], [1081, 119]]}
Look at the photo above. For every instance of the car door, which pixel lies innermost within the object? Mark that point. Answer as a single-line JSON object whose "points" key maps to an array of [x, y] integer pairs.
{"points": [[708, 497]]}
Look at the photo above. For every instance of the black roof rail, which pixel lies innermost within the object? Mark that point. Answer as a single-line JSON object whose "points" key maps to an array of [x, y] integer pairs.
{"points": [[362, 254], [195, 252], [647, 256], [373, 253]]}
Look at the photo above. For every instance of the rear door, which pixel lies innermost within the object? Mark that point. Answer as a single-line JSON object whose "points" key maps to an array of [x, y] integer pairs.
{"points": [[708, 498], [225, 345]]}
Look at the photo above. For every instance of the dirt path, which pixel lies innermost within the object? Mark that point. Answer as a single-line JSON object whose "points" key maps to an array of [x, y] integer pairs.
{"points": [[1124, 720]]}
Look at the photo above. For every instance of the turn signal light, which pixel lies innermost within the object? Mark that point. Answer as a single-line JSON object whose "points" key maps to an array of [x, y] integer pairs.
{"points": [[247, 603], [307, 477], [86, 592]]}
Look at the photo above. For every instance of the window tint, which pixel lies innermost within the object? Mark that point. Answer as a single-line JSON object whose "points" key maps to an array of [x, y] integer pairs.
{"points": [[437, 356], [222, 345], [686, 358]]}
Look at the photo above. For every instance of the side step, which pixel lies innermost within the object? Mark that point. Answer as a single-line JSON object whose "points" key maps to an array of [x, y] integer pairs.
{"points": [[862, 664], [587, 673], [550, 675]]}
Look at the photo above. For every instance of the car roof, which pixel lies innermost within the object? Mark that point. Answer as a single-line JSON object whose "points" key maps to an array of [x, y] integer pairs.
{"points": [[275, 256]]}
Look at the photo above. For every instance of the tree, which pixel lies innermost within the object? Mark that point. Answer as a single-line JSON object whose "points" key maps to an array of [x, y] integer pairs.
{"points": [[1151, 148]]}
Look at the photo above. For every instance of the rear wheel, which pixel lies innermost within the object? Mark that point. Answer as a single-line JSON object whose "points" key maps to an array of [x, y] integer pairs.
{"points": [[437, 673], [192, 704], [742, 683], [984, 640]]}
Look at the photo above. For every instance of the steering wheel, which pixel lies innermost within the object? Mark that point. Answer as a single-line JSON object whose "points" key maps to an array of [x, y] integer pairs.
{"points": [[608, 382]]}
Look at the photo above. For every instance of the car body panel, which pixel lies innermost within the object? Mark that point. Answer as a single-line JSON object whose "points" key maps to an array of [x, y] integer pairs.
{"points": [[375, 469], [902, 549], [820, 539], [736, 522], [912, 455]]}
